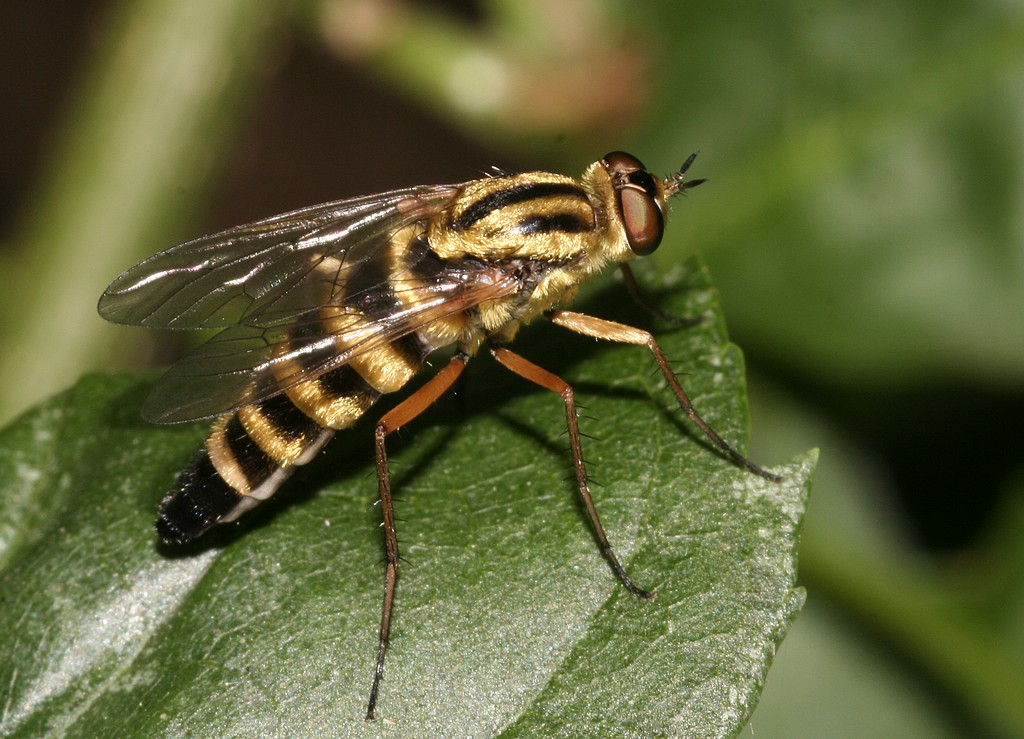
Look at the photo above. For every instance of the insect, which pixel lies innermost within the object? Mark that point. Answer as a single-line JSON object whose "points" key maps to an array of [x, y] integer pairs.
{"points": [[325, 309]]}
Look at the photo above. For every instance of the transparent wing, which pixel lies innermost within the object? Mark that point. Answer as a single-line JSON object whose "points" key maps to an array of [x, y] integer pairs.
{"points": [[262, 273], [247, 363], [268, 286]]}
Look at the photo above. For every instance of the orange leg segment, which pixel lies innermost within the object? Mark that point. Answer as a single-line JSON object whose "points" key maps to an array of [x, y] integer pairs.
{"points": [[638, 297], [599, 328], [536, 374], [393, 420]]}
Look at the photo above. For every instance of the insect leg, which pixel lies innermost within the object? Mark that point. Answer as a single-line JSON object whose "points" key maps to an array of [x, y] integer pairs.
{"points": [[530, 371], [599, 328], [638, 297], [393, 420]]}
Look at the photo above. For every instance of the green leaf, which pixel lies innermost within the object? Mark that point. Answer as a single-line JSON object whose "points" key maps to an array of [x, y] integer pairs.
{"points": [[507, 619]]}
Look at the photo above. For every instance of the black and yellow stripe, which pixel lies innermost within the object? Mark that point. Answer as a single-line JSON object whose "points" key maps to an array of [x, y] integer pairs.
{"points": [[537, 216], [252, 451], [528, 196]]}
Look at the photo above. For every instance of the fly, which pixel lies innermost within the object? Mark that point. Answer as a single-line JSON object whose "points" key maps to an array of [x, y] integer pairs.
{"points": [[325, 309]]}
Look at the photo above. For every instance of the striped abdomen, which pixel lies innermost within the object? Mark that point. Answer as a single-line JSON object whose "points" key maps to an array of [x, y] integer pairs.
{"points": [[251, 451]]}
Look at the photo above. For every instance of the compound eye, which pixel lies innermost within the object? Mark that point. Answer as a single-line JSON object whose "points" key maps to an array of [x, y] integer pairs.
{"points": [[621, 164], [636, 194], [642, 219]]}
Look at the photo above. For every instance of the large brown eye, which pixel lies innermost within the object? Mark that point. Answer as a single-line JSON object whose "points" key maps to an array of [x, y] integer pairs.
{"points": [[642, 220], [636, 194], [619, 163]]}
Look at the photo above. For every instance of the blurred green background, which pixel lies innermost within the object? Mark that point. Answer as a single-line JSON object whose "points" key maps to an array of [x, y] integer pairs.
{"points": [[864, 223]]}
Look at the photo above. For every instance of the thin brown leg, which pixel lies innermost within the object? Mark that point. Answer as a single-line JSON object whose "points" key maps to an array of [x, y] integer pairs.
{"points": [[599, 328], [393, 420], [638, 297], [530, 371]]}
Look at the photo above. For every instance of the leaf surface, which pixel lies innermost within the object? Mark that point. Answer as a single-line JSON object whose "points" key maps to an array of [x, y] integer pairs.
{"points": [[507, 619]]}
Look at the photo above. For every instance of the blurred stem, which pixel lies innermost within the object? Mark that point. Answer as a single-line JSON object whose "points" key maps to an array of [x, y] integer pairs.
{"points": [[521, 74], [414, 48], [926, 621], [154, 107]]}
